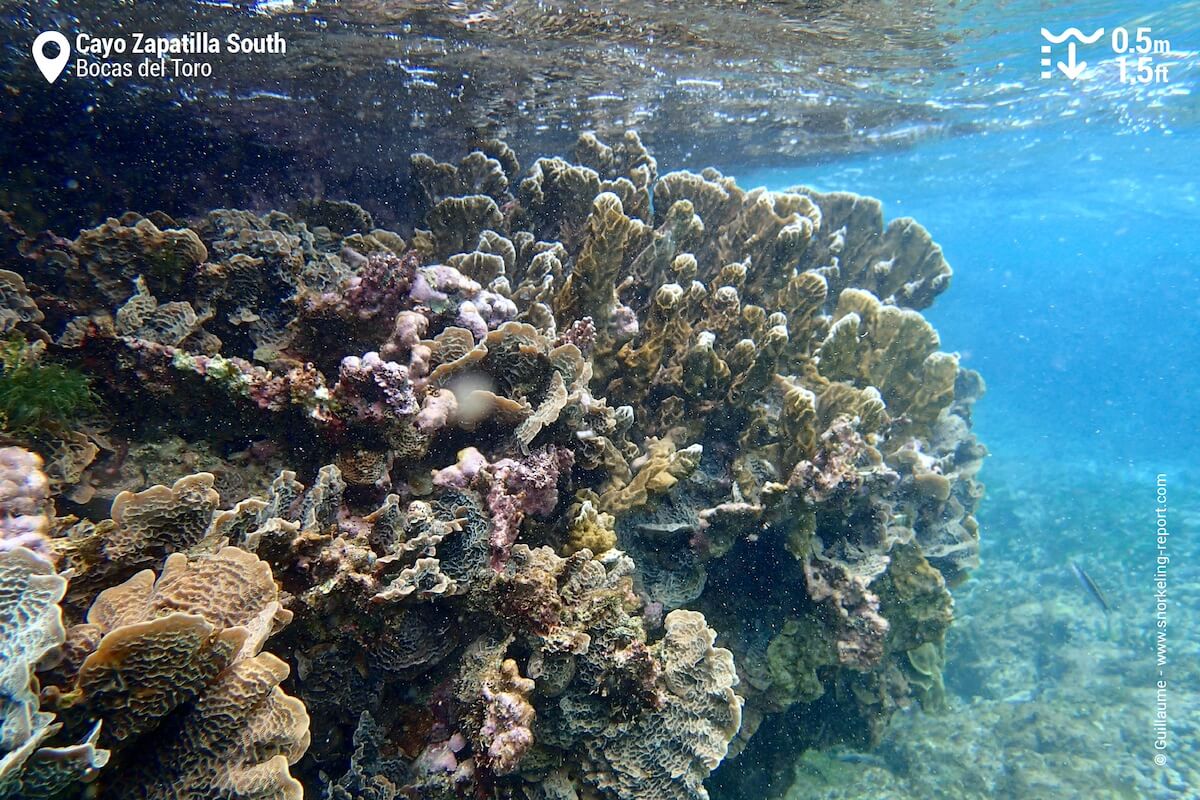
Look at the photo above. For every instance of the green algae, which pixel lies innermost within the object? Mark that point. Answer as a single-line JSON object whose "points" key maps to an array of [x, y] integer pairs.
{"points": [[37, 397]]}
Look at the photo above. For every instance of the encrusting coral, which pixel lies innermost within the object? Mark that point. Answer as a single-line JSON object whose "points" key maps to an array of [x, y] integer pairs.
{"points": [[474, 501]]}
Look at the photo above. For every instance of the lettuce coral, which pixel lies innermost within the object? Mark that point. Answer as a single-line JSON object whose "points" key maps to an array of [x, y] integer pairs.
{"points": [[32, 636], [32, 629], [170, 668], [669, 755], [531, 451], [24, 502], [16, 305]]}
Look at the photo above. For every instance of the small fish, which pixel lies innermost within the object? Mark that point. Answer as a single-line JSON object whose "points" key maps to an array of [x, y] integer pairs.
{"points": [[1025, 696], [1090, 585], [864, 759]]}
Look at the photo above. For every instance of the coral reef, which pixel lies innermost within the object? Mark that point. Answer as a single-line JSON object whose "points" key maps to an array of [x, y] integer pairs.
{"points": [[474, 501], [181, 653], [1051, 712]]}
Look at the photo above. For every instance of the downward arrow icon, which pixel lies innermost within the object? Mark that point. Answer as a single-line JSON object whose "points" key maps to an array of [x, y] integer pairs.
{"points": [[1071, 69]]}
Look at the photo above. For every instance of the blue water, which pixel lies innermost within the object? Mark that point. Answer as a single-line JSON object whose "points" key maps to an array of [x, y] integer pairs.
{"points": [[1072, 220], [1076, 253]]}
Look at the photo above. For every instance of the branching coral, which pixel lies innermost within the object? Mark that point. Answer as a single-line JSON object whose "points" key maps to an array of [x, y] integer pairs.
{"points": [[591, 529], [899, 264], [892, 349]]}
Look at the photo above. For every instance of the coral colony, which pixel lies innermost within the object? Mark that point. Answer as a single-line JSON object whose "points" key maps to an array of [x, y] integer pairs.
{"points": [[355, 516]]}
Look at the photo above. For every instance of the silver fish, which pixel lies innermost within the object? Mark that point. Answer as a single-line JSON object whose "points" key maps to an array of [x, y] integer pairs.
{"points": [[1090, 585], [865, 759]]}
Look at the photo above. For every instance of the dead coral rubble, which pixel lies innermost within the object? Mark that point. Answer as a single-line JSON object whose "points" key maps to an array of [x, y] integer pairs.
{"points": [[544, 441]]}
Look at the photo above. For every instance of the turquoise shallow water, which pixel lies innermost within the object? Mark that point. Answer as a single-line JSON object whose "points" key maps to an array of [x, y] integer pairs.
{"points": [[1070, 216], [1075, 288], [1075, 241]]}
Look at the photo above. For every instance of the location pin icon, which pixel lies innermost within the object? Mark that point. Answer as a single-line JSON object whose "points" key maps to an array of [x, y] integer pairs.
{"points": [[51, 67]]}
